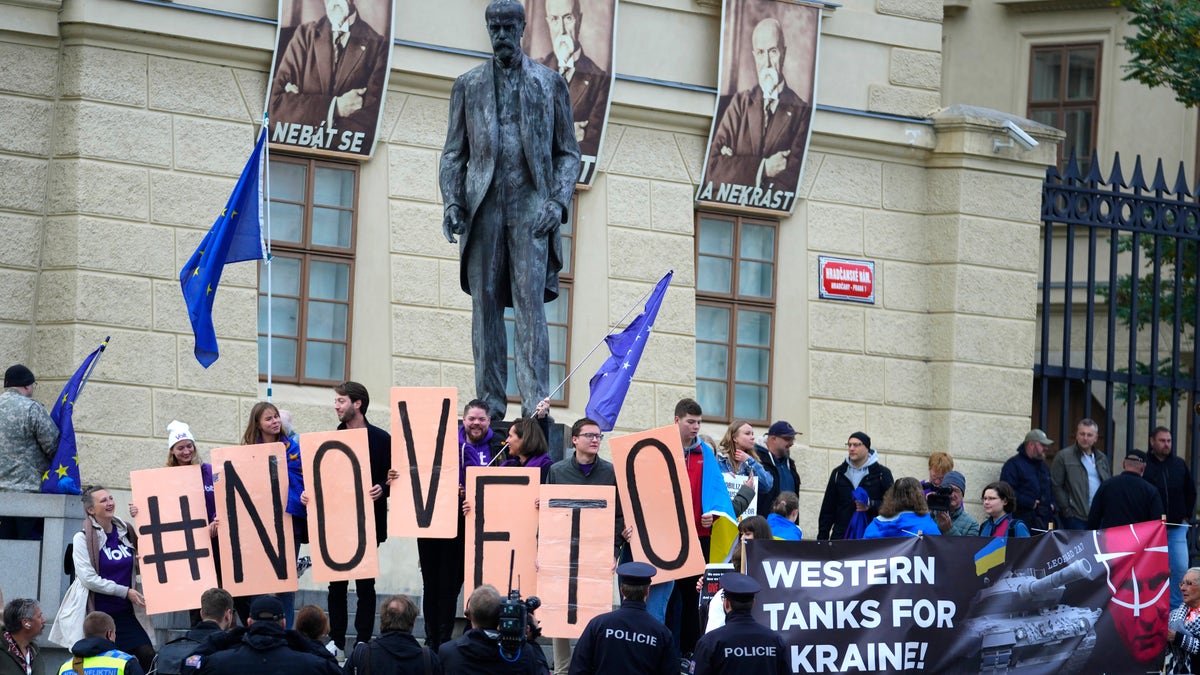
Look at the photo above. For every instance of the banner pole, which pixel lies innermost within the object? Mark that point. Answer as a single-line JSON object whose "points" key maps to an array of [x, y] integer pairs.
{"points": [[88, 375], [265, 205]]}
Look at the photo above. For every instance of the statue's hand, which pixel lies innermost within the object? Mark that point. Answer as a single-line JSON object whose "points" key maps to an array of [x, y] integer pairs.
{"points": [[548, 219], [453, 224]]}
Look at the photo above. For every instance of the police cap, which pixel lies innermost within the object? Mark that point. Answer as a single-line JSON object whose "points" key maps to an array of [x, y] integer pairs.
{"points": [[635, 573], [738, 586]]}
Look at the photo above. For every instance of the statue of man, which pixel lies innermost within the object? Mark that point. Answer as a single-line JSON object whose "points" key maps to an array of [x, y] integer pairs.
{"points": [[507, 175]]}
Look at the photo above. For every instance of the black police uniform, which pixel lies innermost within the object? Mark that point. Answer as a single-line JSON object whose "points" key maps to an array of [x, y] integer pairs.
{"points": [[742, 645], [628, 641]]}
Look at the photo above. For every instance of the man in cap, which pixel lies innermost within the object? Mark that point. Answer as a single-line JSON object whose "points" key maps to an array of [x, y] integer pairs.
{"points": [[1125, 499], [860, 470], [264, 647], [1029, 477], [956, 522], [627, 640], [777, 460], [28, 440], [742, 645]]}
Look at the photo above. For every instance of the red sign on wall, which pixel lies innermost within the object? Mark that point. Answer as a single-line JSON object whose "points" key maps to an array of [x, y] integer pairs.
{"points": [[841, 279]]}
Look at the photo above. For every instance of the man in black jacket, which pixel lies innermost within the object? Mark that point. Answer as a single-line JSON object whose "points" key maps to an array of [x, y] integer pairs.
{"points": [[1169, 474], [216, 615], [262, 648], [395, 651], [477, 652], [1125, 499], [861, 469], [776, 458]]}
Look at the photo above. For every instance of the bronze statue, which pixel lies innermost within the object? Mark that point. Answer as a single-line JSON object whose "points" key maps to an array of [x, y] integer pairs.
{"points": [[507, 175]]}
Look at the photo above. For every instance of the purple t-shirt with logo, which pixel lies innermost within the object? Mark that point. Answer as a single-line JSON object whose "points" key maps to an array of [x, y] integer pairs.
{"points": [[115, 564]]}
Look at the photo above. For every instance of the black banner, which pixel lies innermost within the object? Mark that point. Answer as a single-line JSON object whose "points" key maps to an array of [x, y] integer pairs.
{"points": [[1064, 602]]}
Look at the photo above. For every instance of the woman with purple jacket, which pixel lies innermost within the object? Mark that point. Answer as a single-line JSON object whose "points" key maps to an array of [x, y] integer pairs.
{"points": [[526, 446]]}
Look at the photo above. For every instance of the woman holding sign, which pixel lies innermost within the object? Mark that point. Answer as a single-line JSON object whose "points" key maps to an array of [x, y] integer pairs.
{"points": [[736, 455], [267, 425], [105, 556]]}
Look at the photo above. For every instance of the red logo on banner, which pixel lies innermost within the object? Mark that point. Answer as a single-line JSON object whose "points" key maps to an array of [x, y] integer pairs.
{"points": [[847, 279]]}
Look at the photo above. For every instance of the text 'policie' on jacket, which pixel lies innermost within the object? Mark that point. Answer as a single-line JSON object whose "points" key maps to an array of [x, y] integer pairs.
{"points": [[838, 505]]}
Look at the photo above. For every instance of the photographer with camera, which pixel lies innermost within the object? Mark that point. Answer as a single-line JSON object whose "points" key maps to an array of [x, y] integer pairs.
{"points": [[493, 647], [946, 506]]}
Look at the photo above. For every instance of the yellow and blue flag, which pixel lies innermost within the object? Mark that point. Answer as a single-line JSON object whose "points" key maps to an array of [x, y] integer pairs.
{"points": [[610, 384], [714, 499], [62, 477], [236, 235], [991, 555]]}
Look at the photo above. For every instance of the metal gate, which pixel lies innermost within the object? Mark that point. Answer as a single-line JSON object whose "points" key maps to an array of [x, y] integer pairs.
{"points": [[1118, 311]]}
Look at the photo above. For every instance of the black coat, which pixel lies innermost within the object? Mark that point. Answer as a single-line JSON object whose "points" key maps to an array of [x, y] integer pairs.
{"points": [[1174, 483], [638, 644], [171, 656], [264, 648], [1030, 480], [767, 498], [1122, 500], [838, 505], [762, 650], [476, 653], [394, 654], [379, 445]]}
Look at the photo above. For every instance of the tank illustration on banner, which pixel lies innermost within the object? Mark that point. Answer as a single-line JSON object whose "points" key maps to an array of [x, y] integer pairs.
{"points": [[1022, 627]]}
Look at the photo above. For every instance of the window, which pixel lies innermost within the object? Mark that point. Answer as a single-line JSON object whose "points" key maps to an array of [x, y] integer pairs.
{"points": [[1064, 92], [735, 315], [312, 271], [558, 319]]}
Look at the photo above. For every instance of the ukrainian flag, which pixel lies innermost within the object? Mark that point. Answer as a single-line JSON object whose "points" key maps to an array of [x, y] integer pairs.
{"points": [[714, 499], [991, 555]]}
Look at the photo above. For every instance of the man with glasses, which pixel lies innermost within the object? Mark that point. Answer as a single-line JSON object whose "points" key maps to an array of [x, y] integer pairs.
{"points": [[585, 467], [860, 470], [28, 440]]}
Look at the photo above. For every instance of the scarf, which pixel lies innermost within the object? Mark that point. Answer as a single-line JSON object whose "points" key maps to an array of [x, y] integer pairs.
{"points": [[15, 650]]}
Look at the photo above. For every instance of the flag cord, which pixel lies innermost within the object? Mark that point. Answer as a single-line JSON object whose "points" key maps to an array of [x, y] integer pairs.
{"points": [[593, 351], [265, 209]]}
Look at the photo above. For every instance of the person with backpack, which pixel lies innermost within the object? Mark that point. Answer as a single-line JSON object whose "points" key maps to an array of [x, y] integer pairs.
{"points": [[999, 500], [216, 615]]}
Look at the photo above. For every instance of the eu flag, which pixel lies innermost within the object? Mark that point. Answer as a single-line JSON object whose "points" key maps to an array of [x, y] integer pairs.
{"points": [[62, 477], [234, 237], [611, 382]]}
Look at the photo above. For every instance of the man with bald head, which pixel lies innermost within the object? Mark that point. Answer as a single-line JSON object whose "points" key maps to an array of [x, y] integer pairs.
{"points": [[588, 83], [760, 139]]}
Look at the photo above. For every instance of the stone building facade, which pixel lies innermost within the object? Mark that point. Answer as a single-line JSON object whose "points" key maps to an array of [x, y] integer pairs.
{"points": [[126, 123]]}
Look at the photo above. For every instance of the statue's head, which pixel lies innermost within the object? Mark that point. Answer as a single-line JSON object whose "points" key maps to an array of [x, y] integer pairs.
{"points": [[506, 25]]}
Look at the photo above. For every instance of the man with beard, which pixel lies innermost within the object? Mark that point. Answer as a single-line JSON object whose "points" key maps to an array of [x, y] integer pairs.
{"points": [[760, 139], [507, 177], [332, 74], [442, 559], [777, 459], [350, 402], [587, 82], [1167, 472]]}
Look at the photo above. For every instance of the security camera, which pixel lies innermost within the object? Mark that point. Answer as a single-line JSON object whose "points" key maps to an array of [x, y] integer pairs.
{"points": [[1015, 134]]}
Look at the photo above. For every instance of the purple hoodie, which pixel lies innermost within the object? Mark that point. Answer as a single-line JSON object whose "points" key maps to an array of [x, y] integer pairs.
{"points": [[477, 454]]}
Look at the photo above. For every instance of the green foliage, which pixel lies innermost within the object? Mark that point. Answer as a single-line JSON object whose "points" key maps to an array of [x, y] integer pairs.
{"points": [[1166, 48]]}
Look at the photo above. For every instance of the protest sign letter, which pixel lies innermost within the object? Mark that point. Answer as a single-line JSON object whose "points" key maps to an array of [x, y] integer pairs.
{"points": [[424, 501], [503, 519], [251, 484], [337, 470], [173, 543], [575, 550]]}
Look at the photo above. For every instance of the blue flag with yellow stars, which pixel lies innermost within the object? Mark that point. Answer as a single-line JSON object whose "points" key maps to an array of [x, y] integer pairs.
{"points": [[611, 382], [62, 478], [234, 237]]}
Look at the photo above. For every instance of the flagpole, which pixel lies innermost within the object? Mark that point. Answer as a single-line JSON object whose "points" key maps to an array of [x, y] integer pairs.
{"points": [[637, 304], [92, 366], [266, 211]]}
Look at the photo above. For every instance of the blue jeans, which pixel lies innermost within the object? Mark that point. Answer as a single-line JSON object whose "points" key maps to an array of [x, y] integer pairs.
{"points": [[1177, 549], [657, 599]]}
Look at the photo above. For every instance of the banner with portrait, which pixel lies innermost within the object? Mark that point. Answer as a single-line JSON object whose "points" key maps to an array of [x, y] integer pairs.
{"points": [[577, 38], [329, 76], [763, 118], [1064, 602]]}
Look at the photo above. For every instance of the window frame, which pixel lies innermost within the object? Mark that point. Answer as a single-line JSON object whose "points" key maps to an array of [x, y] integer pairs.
{"points": [[736, 302], [307, 253], [1061, 105]]}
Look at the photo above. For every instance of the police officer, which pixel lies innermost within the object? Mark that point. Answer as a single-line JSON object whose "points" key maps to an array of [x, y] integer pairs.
{"points": [[629, 640], [97, 653], [741, 645]]}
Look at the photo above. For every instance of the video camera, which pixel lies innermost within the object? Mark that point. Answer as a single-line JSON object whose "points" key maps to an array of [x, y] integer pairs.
{"points": [[514, 617], [938, 497]]}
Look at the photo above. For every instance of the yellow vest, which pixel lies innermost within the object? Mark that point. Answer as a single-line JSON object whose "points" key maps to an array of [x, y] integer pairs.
{"points": [[111, 662]]}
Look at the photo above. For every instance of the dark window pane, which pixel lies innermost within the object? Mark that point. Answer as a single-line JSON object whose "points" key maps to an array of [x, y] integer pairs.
{"points": [[325, 360], [331, 227], [1047, 75], [1047, 117], [288, 180], [333, 187], [1079, 133], [1081, 74], [711, 397], [283, 354]]}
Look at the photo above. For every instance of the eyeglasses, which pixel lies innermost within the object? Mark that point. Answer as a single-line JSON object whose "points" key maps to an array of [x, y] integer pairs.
{"points": [[592, 437], [854, 444]]}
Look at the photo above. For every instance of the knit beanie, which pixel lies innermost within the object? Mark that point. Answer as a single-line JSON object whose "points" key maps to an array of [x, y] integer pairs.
{"points": [[866, 440], [18, 376], [178, 431]]}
